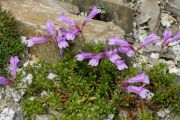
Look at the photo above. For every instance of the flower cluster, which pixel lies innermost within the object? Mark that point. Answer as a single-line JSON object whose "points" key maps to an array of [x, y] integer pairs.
{"points": [[140, 90], [112, 55], [168, 37], [65, 34], [13, 66]]}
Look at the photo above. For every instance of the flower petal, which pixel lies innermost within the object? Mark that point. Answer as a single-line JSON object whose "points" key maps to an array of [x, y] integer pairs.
{"points": [[139, 78], [63, 18], [176, 37], [121, 65], [126, 50], [92, 13], [95, 59], [4, 81], [36, 40], [113, 56], [84, 55], [13, 65], [152, 38], [142, 92], [118, 41], [50, 28], [167, 34], [62, 43]]}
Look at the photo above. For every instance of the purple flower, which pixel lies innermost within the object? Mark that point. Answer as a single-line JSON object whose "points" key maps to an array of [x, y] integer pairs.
{"points": [[118, 41], [95, 59], [120, 65], [13, 65], [92, 13], [113, 56], [63, 18], [152, 38], [126, 50], [4, 81], [62, 43], [71, 34], [139, 78], [167, 34], [36, 40], [142, 92], [176, 37], [50, 28], [84, 55]]}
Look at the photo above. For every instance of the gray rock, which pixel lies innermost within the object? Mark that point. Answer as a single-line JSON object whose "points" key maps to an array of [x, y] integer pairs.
{"points": [[176, 118], [43, 117], [174, 6], [176, 50], [178, 64], [150, 13], [152, 48], [56, 4], [7, 114], [19, 115], [167, 55], [154, 58], [120, 12]]}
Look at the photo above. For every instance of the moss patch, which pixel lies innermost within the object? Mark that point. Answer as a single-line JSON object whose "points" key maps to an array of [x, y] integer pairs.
{"points": [[10, 43], [83, 92]]}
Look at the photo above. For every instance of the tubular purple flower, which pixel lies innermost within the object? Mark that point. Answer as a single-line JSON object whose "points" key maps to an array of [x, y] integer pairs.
{"points": [[139, 78], [167, 34], [62, 43], [142, 92], [36, 40], [118, 41], [84, 55], [95, 59], [13, 65], [120, 65], [113, 56], [71, 34], [152, 38], [126, 50], [176, 37], [92, 13], [50, 28], [63, 18], [4, 81]]}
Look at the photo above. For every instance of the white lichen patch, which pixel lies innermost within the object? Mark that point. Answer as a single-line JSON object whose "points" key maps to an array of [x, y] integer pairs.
{"points": [[51, 76], [7, 114], [167, 20]]}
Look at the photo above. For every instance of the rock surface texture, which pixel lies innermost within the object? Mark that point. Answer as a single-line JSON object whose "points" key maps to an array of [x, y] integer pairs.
{"points": [[120, 13], [32, 19], [150, 13], [174, 6]]}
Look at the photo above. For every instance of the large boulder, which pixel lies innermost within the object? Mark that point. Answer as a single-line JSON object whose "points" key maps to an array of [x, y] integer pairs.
{"points": [[33, 15], [120, 13], [174, 6], [149, 13]]}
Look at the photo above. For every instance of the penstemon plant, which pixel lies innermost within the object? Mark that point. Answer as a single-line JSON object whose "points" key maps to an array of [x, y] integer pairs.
{"points": [[14, 60], [64, 35]]}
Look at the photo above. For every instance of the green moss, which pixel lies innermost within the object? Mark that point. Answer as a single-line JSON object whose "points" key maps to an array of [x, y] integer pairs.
{"points": [[145, 114], [83, 92], [163, 84], [10, 43], [33, 107]]}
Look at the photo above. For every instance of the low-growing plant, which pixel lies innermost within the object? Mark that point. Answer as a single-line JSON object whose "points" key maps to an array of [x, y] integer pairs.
{"points": [[81, 91], [84, 92], [10, 43]]}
